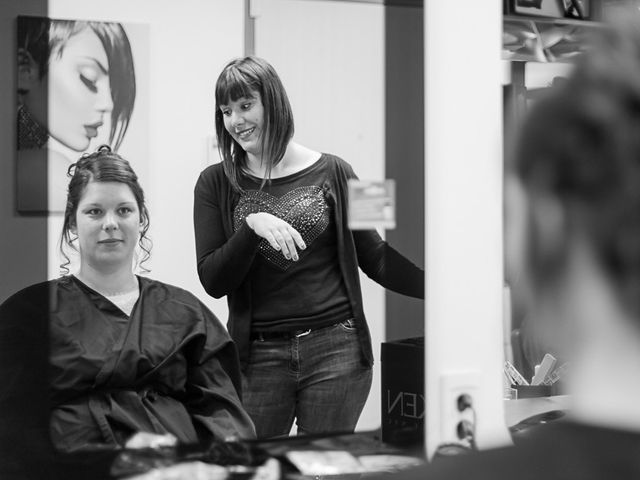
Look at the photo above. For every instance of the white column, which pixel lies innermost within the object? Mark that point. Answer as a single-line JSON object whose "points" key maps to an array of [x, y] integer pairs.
{"points": [[463, 178]]}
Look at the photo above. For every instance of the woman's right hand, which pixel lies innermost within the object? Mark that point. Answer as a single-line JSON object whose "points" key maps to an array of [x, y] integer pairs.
{"points": [[281, 235]]}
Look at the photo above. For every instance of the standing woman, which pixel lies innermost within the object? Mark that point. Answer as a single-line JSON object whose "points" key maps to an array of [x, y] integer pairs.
{"points": [[272, 235]]}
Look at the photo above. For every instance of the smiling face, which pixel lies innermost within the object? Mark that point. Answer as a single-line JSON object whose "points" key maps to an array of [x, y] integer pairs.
{"points": [[79, 90], [108, 225], [244, 120]]}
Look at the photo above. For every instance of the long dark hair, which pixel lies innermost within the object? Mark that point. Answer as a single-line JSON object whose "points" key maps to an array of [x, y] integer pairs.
{"points": [[241, 78], [581, 146], [103, 165], [43, 37]]}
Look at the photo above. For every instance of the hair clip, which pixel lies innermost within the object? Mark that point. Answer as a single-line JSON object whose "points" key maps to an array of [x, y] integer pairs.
{"points": [[72, 169]]}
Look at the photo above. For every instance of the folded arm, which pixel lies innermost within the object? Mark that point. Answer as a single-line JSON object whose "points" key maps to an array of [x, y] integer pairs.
{"points": [[223, 262]]}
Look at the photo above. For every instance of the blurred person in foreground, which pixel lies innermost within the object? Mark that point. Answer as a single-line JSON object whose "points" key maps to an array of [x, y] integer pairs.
{"points": [[573, 226]]}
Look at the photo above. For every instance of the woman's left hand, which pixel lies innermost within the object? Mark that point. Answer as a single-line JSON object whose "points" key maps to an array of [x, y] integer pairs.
{"points": [[151, 440]]}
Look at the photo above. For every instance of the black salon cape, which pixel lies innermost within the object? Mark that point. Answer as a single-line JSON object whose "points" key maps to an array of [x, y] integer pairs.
{"points": [[170, 367]]}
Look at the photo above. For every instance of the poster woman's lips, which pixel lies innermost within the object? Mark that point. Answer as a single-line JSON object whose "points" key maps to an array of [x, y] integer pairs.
{"points": [[92, 129]]}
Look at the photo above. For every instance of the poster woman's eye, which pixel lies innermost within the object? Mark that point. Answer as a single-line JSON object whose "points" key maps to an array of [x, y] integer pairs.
{"points": [[89, 76], [89, 84]]}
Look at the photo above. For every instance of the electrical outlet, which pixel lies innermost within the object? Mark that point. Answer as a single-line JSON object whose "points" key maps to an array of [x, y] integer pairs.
{"points": [[452, 386]]}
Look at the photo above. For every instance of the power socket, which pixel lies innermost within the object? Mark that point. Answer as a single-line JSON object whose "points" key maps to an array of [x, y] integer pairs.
{"points": [[452, 387]]}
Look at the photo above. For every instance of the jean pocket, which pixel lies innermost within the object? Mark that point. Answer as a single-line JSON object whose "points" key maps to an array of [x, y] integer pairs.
{"points": [[349, 325]]}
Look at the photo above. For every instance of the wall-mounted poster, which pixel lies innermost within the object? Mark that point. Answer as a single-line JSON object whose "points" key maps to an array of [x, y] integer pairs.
{"points": [[80, 84]]}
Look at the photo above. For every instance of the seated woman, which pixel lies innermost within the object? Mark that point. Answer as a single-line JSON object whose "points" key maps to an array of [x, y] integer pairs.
{"points": [[129, 354]]}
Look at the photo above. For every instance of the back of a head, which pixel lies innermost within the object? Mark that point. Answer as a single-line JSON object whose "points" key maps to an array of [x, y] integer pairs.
{"points": [[581, 146]]}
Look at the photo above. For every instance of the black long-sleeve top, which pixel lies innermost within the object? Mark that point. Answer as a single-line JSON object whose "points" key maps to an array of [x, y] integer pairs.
{"points": [[225, 255]]}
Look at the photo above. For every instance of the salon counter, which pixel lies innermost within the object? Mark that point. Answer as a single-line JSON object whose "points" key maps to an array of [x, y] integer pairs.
{"points": [[331, 454], [518, 410]]}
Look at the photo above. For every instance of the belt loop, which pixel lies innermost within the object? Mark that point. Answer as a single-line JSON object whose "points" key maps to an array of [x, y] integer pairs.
{"points": [[303, 334]]}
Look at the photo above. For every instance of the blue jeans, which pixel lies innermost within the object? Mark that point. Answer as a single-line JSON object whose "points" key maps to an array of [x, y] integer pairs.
{"points": [[318, 379]]}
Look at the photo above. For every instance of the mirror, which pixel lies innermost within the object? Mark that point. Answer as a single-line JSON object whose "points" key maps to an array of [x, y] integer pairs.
{"points": [[348, 97]]}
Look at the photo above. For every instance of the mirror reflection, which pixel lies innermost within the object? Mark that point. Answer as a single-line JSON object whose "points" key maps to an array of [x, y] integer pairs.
{"points": [[147, 351], [527, 345]]}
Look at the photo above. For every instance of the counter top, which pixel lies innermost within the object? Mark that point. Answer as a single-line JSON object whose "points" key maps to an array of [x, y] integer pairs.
{"points": [[517, 410]]}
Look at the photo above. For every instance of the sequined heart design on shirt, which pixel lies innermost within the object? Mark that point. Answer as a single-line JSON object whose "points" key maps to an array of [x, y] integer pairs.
{"points": [[304, 208]]}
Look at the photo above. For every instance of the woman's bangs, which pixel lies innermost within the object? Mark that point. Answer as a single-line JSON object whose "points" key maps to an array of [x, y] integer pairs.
{"points": [[233, 85]]}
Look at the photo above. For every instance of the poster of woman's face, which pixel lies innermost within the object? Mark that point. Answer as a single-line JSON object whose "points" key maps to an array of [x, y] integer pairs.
{"points": [[78, 87]]}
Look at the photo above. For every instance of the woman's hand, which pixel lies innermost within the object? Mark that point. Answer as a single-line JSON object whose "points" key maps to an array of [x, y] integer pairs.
{"points": [[277, 232], [151, 440]]}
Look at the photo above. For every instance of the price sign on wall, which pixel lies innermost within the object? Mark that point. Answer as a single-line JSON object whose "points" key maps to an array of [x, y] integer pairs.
{"points": [[372, 204]]}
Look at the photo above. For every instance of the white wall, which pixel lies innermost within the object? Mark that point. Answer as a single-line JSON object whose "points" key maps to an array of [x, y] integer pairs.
{"points": [[330, 56], [189, 43]]}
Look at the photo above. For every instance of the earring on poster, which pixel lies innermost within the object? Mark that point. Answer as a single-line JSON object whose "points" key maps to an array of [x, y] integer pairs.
{"points": [[28, 72], [32, 134]]}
